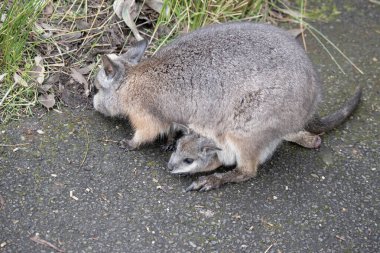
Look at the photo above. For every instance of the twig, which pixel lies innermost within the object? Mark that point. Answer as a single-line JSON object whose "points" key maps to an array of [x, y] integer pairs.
{"points": [[87, 148], [266, 251], [14, 145], [38, 240], [106, 140]]}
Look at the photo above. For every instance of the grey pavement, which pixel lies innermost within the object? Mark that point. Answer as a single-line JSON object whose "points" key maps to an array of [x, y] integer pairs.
{"points": [[63, 177]]}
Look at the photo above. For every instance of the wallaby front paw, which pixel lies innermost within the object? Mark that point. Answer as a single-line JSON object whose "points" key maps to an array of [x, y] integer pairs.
{"points": [[205, 183], [127, 145], [169, 147]]}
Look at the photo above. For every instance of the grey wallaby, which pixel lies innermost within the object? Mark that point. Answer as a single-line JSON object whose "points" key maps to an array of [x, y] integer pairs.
{"points": [[242, 86]]}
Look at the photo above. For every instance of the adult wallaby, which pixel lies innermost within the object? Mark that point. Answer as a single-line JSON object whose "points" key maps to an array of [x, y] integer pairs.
{"points": [[244, 86]]}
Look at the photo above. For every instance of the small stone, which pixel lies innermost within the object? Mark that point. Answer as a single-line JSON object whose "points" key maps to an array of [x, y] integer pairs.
{"points": [[39, 131], [275, 197], [2, 245], [314, 175], [192, 244]]}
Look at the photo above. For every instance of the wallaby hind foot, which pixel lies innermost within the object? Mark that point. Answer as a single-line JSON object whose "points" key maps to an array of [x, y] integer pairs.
{"points": [[304, 139]]}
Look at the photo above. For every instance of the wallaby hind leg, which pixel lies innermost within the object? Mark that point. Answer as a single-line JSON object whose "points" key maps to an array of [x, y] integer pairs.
{"points": [[304, 139], [147, 129]]}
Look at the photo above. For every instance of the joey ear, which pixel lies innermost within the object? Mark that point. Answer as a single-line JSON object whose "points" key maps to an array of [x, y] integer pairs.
{"points": [[110, 68], [180, 127], [135, 53], [210, 149]]}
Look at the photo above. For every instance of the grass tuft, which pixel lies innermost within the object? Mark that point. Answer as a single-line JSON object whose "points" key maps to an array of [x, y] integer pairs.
{"points": [[18, 18]]}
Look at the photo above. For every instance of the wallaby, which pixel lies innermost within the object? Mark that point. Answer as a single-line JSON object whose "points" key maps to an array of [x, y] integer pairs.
{"points": [[244, 86]]}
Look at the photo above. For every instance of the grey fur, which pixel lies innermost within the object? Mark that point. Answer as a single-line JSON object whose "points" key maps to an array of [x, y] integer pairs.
{"points": [[244, 86]]}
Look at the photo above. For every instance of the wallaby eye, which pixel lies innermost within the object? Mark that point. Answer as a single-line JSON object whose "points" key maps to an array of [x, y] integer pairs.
{"points": [[188, 161]]}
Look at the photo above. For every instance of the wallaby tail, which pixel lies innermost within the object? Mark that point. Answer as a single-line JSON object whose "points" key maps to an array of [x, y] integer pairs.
{"points": [[319, 125]]}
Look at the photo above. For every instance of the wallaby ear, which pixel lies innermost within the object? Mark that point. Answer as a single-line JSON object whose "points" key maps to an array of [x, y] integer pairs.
{"points": [[182, 128], [110, 68], [210, 149], [135, 53]]}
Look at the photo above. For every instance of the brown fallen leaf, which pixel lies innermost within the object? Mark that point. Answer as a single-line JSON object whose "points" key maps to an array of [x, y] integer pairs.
{"points": [[49, 9], [19, 80], [82, 25], [87, 69], [38, 72], [155, 4], [296, 32], [2, 76], [77, 76], [47, 100], [128, 11], [45, 88], [67, 36], [39, 29], [3, 17], [38, 240], [53, 79]]}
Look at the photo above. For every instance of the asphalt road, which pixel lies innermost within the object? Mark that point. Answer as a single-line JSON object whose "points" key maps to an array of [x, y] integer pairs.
{"points": [[64, 181]]}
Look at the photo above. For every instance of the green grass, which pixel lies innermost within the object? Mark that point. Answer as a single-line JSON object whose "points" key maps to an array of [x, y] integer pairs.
{"points": [[16, 56], [184, 16]]}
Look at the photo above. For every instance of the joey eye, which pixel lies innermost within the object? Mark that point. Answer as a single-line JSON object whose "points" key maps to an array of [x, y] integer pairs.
{"points": [[188, 161]]}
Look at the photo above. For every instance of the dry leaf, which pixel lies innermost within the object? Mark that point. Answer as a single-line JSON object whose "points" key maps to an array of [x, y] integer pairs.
{"points": [[49, 27], [18, 79], [70, 35], [38, 73], [128, 10], [155, 4], [120, 5], [49, 9], [296, 32], [47, 100], [374, 1], [82, 25], [39, 29], [3, 17], [53, 79], [87, 69], [292, 13], [80, 79], [2, 76], [45, 88]]}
